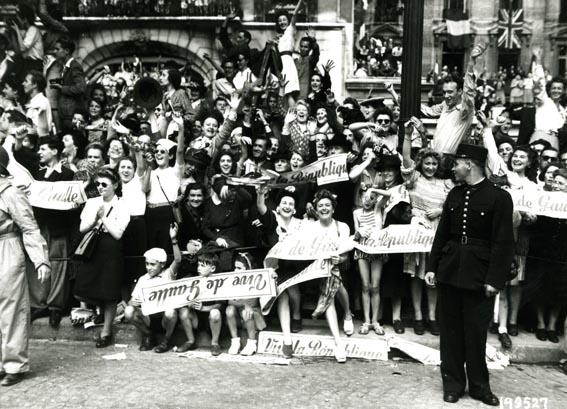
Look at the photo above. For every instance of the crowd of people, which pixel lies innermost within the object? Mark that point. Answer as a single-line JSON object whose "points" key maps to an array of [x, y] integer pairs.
{"points": [[377, 57], [160, 199]]}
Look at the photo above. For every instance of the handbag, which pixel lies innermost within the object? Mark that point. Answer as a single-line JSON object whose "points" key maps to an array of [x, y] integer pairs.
{"points": [[85, 249]]}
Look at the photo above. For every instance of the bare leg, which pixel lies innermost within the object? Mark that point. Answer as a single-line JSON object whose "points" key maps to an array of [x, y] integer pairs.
{"points": [[250, 328], [284, 317], [515, 298], [168, 323], [376, 270], [396, 309], [295, 297], [342, 296], [109, 314], [331, 315], [134, 316], [540, 317], [553, 314], [365, 284], [416, 293], [503, 309], [431, 302], [215, 321], [186, 316], [231, 316]]}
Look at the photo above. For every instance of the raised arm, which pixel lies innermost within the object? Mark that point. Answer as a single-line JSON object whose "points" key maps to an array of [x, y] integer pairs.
{"points": [[295, 12]]}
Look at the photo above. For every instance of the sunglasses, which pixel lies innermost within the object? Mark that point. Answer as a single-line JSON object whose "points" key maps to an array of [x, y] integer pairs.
{"points": [[548, 158], [162, 151], [103, 184], [383, 121]]}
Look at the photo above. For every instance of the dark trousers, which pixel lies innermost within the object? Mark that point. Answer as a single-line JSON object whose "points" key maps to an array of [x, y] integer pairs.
{"points": [[464, 316]]}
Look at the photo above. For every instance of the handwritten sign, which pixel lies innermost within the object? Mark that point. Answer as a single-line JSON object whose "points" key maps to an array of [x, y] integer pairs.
{"points": [[320, 345], [551, 204], [57, 195], [225, 286], [317, 269], [330, 169], [398, 238]]}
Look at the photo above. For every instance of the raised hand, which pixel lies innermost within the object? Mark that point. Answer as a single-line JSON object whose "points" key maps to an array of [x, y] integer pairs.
{"points": [[329, 65], [290, 116]]}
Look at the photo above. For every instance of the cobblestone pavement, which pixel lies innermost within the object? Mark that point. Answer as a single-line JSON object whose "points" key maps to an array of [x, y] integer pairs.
{"points": [[74, 375]]}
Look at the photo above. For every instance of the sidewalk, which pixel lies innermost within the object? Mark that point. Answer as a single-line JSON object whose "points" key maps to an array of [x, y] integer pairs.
{"points": [[526, 348]]}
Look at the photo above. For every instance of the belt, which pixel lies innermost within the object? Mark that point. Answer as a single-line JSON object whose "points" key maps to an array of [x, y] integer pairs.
{"points": [[286, 53], [154, 205], [469, 241], [9, 235]]}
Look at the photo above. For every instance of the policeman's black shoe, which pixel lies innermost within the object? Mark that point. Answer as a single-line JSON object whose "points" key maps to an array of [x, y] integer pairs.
{"points": [[505, 340], [13, 378], [419, 327], [513, 330], [434, 328], [552, 336], [541, 334], [147, 343], [398, 327], [104, 342], [488, 398], [55, 318], [452, 397], [38, 313], [296, 325], [163, 346]]}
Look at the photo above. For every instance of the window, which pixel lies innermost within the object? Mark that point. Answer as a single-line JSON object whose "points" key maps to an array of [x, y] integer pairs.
{"points": [[513, 4], [454, 4], [387, 11], [453, 58], [508, 57], [563, 12], [562, 60], [266, 10]]}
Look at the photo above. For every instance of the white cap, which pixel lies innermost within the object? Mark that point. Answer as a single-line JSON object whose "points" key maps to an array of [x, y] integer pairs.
{"points": [[156, 254], [166, 143]]}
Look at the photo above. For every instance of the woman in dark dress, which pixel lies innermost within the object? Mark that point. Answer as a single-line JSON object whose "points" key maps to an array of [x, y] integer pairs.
{"points": [[100, 278]]}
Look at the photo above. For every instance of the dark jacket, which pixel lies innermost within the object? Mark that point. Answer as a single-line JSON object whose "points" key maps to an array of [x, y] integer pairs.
{"points": [[483, 213], [73, 90], [526, 116]]}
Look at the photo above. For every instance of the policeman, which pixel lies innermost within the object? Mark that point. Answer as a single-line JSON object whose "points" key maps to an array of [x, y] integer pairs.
{"points": [[469, 263]]}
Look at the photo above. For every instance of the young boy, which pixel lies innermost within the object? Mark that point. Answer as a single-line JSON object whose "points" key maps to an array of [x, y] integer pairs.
{"points": [[156, 273], [207, 265]]}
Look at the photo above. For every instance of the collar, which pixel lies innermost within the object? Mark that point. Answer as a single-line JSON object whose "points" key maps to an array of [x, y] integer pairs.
{"points": [[457, 107], [68, 63], [56, 168]]}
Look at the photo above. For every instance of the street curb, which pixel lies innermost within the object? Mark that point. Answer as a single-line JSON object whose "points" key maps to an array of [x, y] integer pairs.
{"points": [[526, 348]]}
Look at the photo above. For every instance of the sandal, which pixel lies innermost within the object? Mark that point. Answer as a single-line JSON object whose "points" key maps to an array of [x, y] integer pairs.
{"points": [[364, 328], [378, 329]]}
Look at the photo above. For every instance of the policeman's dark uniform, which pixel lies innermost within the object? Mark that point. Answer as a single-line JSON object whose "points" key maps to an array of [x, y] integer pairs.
{"points": [[473, 246]]}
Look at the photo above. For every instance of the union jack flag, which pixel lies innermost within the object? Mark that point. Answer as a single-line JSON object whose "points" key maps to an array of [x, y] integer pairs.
{"points": [[510, 24]]}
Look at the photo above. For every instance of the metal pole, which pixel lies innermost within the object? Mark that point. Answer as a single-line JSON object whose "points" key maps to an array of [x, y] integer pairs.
{"points": [[411, 61]]}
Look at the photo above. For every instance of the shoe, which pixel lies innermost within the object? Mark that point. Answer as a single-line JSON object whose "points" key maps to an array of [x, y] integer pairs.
{"points": [[340, 354], [55, 319], [13, 378], [348, 326], [296, 325], [493, 329], [398, 327], [434, 328], [187, 346], [452, 397], [234, 346], [147, 343], [418, 327], [103, 342], [2, 374], [215, 350], [250, 348], [541, 334], [487, 398], [513, 330], [38, 313], [287, 350], [505, 340], [163, 346], [378, 329], [552, 336], [364, 328]]}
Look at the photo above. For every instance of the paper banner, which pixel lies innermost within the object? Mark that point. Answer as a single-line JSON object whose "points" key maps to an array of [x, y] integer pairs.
{"points": [[330, 169], [551, 204], [398, 238], [317, 269], [224, 286], [323, 345], [57, 195]]}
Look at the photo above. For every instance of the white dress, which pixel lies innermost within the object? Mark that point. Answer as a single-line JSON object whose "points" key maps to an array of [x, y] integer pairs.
{"points": [[285, 46]]}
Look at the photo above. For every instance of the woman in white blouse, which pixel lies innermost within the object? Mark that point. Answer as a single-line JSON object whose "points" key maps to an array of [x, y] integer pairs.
{"points": [[99, 280]]}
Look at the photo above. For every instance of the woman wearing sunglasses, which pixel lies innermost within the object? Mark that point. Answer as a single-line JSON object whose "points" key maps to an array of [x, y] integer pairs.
{"points": [[99, 279]]}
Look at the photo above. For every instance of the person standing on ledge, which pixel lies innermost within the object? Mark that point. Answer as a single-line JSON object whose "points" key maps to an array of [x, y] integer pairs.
{"points": [[469, 263], [18, 231]]}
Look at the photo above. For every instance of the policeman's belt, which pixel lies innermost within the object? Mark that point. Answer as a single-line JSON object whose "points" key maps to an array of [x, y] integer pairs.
{"points": [[469, 241]]}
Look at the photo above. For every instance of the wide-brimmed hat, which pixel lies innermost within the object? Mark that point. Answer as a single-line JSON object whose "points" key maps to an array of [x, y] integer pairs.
{"points": [[374, 102]]}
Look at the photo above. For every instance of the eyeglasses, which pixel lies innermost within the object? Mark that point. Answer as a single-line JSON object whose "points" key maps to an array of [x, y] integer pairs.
{"points": [[383, 121], [103, 184]]}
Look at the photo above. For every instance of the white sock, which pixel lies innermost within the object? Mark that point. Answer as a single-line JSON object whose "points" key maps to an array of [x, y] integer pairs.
{"points": [[502, 330]]}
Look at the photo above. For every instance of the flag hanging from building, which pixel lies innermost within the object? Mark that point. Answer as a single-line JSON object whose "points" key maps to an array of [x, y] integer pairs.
{"points": [[458, 28], [510, 26]]}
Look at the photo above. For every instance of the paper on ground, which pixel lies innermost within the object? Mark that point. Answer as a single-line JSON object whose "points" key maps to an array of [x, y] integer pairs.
{"points": [[253, 359], [115, 357]]}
